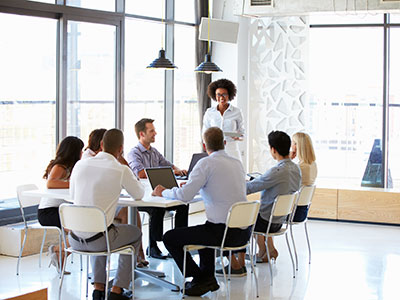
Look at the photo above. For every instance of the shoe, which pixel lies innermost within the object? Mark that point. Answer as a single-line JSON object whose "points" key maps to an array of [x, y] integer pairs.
{"points": [[155, 253], [264, 259], [199, 288], [54, 260], [98, 295], [234, 273], [115, 296]]}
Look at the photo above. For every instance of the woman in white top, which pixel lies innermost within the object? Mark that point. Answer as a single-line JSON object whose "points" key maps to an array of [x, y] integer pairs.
{"points": [[303, 149], [225, 116], [57, 173]]}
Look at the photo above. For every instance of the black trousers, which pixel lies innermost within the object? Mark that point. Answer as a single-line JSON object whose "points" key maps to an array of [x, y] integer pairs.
{"points": [[157, 220], [208, 234]]}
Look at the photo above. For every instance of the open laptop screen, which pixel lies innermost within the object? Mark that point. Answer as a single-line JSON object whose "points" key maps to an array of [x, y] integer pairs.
{"points": [[162, 175]]}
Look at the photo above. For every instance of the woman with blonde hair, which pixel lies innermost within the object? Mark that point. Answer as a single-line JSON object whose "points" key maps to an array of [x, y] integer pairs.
{"points": [[303, 149]]}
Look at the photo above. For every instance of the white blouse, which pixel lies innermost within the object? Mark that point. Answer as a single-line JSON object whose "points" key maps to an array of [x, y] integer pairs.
{"points": [[231, 120]]}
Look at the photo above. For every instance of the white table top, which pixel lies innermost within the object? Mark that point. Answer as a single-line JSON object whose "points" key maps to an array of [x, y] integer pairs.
{"points": [[124, 200]]}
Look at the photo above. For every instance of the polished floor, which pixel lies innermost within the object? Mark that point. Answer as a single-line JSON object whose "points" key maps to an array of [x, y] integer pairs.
{"points": [[349, 261]]}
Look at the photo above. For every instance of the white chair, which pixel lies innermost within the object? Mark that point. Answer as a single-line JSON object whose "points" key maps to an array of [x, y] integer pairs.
{"points": [[90, 219], [26, 201], [283, 207], [241, 215], [305, 197]]}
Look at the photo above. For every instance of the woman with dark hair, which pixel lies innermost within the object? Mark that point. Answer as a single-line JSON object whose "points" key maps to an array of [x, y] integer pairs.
{"points": [[57, 173], [94, 146], [225, 116]]}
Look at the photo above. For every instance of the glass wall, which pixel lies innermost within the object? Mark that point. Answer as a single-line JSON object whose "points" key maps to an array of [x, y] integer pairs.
{"points": [[186, 124], [91, 78], [394, 106], [144, 88], [27, 99], [346, 106], [346, 80]]}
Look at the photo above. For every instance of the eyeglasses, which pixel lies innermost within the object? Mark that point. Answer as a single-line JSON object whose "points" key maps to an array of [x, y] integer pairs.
{"points": [[222, 95]]}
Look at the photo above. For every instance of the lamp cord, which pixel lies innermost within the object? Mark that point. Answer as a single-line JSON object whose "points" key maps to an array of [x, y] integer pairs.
{"points": [[208, 34]]}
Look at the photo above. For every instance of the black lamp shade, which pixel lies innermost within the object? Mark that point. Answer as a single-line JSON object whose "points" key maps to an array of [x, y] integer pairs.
{"points": [[207, 66], [161, 62]]}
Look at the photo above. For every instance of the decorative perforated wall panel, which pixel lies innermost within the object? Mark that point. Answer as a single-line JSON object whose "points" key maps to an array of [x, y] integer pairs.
{"points": [[277, 83]]}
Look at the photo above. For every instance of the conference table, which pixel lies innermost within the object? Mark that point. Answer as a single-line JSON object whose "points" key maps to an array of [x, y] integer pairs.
{"points": [[125, 200]]}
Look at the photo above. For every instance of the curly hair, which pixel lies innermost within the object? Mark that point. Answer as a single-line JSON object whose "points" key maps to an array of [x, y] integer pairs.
{"points": [[223, 84]]}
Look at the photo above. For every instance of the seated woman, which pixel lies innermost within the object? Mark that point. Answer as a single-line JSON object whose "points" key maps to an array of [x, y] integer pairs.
{"points": [[94, 147], [303, 149], [57, 173]]}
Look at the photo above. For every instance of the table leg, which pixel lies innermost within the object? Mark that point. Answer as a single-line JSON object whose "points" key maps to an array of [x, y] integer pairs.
{"points": [[150, 275]]}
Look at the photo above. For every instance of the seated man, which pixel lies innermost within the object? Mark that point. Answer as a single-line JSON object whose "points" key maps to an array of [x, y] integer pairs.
{"points": [[144, 156], [220, 179], [284, 178], [98, 182]]}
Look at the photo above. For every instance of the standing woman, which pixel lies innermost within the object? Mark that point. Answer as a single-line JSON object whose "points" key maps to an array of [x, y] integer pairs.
{"points": [[303, 149], [225, 116], [57, 173]]}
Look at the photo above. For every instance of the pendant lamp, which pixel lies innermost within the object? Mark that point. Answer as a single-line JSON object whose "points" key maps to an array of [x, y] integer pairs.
{"points": [[161, 62], [207, 66]]}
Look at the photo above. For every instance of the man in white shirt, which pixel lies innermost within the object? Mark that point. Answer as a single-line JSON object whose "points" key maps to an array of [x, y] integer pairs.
{"points": [[220, 179], [98, 182]]}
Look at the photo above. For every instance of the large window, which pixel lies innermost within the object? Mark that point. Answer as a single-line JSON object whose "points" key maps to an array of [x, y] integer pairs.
{"points": [[144, 88], [186, 124], [27, 99], [91, 78], [394, 107], [346, 99]]}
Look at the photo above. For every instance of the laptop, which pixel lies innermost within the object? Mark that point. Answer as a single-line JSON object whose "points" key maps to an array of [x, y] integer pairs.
{"points": [[162, 175], [195, 158]]}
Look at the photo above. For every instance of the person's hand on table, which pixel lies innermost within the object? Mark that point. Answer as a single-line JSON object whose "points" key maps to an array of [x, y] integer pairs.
{"points": [[180, 172], [158, 190], [182, 184]]}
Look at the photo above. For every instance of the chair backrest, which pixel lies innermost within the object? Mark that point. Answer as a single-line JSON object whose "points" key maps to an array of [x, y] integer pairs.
{"points": [[242, 214], [25, 201], [82, 218], [284, 204], [306, 194]]}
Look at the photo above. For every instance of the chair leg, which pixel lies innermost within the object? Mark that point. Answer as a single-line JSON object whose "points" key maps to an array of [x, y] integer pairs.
{"points": [[87, 275], [60, 255], [80, 259], [133, 260], [184, 272], [269, 260], [291, 256], [252, 265], [22, 249], [294, 247], [107, 276], [308, 243], [41, 247], [223, 267], [61, 274]]}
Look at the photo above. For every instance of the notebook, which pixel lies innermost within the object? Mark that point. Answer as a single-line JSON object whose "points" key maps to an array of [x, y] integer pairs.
{"points": [[162, 175], [195, 158]]}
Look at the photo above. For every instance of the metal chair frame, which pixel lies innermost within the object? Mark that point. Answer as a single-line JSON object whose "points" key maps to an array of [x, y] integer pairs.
{"points": [[90, 219], [236, 211], [283, 206], [305, 199], [26, 201]]}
